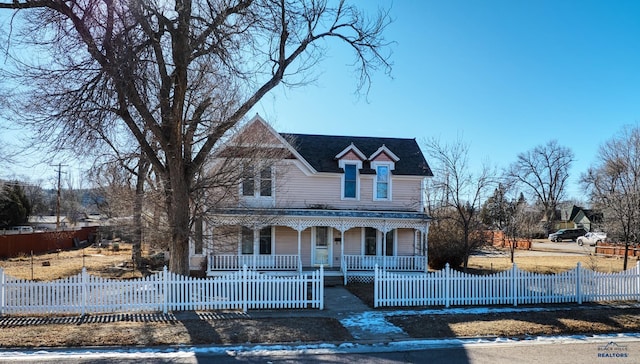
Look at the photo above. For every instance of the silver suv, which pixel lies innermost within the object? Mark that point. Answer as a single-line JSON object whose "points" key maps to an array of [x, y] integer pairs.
{"points": [[592, 239]]}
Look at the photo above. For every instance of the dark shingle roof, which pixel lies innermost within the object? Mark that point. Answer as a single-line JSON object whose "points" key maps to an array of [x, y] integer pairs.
{"points": [[320, 152]]}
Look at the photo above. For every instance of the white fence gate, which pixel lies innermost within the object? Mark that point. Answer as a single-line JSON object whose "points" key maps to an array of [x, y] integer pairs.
{"points": [[164, 291], [450, 287]]}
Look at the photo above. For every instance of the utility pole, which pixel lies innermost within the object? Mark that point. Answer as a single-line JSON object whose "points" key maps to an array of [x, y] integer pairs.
{"points": [[60, 165]]}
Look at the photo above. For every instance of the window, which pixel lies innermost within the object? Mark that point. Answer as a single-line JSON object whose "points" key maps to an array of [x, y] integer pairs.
{"points": [[265, 182], [257, 185], [350, 180], [247, 241], [248, 182], [389, 243], [382, 183], [322, 236], [370, 237], [265, 240]]}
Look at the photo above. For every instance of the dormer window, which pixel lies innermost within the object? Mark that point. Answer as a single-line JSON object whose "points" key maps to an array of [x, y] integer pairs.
{"points": [[350, 180], [382, 183], [350, 188], [383, 161], [350, 160]]}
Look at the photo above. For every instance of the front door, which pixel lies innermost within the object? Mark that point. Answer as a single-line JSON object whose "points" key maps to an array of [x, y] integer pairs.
{"points": [[321, 246]]}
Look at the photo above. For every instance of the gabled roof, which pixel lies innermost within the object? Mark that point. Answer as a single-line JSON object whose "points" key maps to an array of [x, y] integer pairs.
{"points": [[320, 152], [590, 214]]}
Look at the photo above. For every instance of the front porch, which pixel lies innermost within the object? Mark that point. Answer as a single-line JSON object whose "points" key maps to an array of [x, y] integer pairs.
{"points": [[346, 243], [286, 264]]}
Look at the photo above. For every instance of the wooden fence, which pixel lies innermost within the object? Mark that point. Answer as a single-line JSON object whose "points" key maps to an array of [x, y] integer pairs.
{"points": [[164, 291], [450, 287], [41, 242]]}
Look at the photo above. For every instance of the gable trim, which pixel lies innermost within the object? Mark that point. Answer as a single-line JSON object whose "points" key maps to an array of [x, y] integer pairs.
{"points": [[385, 150], [283, 141], [351, 148]]}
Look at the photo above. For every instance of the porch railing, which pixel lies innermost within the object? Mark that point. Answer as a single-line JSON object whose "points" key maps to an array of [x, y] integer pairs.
{"points": [[254, 262], [396, 263]]}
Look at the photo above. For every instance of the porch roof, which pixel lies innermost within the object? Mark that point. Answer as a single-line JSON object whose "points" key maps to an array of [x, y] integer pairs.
{"points": [[301, 219]]}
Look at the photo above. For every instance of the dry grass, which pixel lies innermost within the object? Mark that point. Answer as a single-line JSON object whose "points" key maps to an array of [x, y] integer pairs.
{"points": [[549, 264], [588, 320], [104, 262], [185, 328]]}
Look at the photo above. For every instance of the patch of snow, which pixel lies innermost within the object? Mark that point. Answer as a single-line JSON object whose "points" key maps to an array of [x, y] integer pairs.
{"points": [[373, 322]]}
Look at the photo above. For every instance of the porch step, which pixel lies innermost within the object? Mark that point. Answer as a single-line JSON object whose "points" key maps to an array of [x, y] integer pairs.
{"points": [[333, 280]]}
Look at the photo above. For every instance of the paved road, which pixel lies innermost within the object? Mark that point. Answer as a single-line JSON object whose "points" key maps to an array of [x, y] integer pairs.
{"points": [[568, 350]]}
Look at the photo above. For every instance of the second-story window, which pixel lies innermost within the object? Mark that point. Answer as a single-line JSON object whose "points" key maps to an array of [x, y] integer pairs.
{"points": [[248, 182], [257, 183], [265, 181], [350, 181], [382, 183]]}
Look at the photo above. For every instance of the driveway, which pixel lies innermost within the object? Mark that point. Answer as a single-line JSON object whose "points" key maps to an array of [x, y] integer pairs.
{"points": [[546, 247]]}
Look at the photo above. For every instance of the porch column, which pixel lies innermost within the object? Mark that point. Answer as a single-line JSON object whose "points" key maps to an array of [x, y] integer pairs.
{"points": [[342, 228], [256, 245], [384, 248], [299, 228], [385, 230], [425, 246], [299, 243]]}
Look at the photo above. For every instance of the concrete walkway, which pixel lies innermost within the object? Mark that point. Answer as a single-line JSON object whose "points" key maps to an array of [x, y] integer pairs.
{"points": [[363, 322]]}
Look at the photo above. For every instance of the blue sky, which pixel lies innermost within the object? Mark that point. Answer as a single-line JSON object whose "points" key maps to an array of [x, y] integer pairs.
{"points": [[505, 76]]}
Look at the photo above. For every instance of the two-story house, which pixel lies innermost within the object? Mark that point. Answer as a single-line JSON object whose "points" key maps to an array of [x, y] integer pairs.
{"points": [[346, 203]]}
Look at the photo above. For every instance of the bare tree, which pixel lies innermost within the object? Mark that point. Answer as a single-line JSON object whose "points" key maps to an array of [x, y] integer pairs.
{"points": [[186, 71], [458, 192], [613, 184], [543, 172]]}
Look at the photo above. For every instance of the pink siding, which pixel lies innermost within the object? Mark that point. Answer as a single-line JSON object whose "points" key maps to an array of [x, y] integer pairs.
{"points": [[286, 240], [306, 248], [405, 243], [382, 157], [351, 156], [297, 190], [353, 241]]}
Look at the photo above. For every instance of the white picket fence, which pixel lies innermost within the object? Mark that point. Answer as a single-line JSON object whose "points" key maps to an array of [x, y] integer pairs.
{"points": [[450, 287], [164, 291]]}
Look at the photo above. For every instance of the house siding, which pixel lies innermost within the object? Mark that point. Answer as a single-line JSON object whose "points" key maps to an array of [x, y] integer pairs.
{"points": [[406, 242], [295, 189]]}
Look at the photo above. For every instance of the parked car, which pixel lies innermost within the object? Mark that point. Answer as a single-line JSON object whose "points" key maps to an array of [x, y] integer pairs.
{"points": [[564, 234], [591, 238]]}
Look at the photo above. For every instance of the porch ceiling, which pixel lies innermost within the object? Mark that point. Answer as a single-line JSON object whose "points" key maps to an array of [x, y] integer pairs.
{"points": [[301, 219]]}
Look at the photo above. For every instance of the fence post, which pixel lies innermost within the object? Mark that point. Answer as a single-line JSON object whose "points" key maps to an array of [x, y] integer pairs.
{"points": [[244, 282], [2, 291], [578, 284], [514, 284], [84, 283], [447, 285], [165, 286], [376, 282], [322, 286], [637, 281]]}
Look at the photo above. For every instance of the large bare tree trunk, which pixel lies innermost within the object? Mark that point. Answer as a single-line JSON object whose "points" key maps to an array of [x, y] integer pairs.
{"points": [[136, 249], [178, 211]]}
